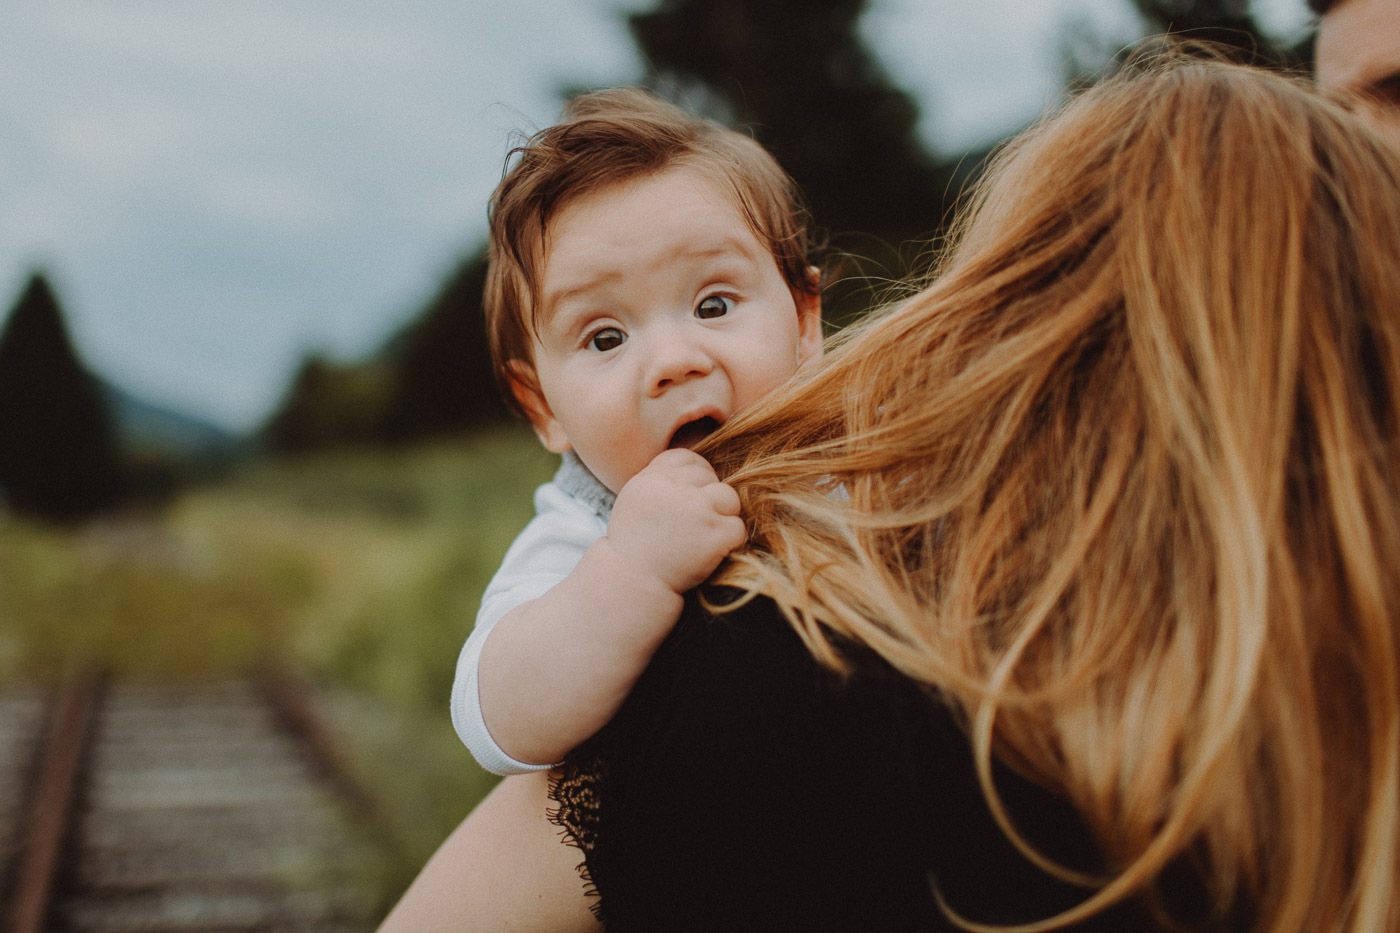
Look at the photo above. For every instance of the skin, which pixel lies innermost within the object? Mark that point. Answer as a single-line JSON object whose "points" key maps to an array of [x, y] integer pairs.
{"points": [[659, 306], [503, 868], [1358, 53]]}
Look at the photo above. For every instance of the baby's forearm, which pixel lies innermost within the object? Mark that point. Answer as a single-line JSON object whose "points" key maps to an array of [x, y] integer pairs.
{"points": [[555, 669]]}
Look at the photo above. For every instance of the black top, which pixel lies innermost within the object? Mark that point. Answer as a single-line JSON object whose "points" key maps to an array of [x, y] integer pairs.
{"points": [[745, 787]]}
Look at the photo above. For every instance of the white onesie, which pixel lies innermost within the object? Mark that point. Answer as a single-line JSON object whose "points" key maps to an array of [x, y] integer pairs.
{"points": [[571, 512]]}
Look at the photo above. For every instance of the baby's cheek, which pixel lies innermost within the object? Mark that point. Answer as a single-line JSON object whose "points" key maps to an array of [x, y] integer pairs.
{"points": [[774, 375]]}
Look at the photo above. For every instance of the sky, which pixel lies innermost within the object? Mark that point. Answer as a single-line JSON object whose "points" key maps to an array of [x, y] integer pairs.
{"points": [[216, 189]]}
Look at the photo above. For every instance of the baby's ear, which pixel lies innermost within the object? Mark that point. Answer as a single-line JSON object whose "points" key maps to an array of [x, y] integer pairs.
{"points": [[809, 319], [525, 386]]}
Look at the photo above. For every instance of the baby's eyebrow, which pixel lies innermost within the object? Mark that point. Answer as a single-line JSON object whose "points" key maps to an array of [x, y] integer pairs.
{"points": [[579, 289], [1384, 88], [1370, 76], [725, 249]]}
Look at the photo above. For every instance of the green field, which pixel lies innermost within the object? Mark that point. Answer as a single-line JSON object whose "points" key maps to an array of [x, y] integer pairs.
{"points": [[360, 572]]}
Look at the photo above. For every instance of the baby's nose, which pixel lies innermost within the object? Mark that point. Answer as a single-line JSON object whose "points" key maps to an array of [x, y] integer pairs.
{"points": [[676, 359]]}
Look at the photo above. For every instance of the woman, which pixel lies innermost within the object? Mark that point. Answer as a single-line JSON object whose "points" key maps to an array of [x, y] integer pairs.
{"points": [[1119, 488]]}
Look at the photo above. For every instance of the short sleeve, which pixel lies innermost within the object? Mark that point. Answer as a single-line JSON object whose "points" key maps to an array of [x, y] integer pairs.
{"points": [[544, 553]]}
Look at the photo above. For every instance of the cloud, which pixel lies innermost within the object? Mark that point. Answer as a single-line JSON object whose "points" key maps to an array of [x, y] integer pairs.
{"points": [[217, 186]]}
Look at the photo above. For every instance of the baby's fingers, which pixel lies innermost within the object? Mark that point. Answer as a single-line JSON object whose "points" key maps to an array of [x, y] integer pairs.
{"points": [[723, 499], [684, 467], [737, 535]]}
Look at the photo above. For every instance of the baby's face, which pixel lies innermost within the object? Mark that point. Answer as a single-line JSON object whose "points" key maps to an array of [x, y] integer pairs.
{"points": [[661, 316]]}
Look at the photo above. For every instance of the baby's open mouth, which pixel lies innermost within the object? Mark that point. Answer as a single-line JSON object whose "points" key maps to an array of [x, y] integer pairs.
{"points": [[693, 432]]}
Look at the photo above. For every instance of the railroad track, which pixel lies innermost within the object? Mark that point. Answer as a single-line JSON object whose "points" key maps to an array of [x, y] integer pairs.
{"points": [[218, 808]]}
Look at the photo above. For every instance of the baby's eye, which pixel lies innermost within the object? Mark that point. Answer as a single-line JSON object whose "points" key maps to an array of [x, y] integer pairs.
{"points": [[607, 338], [1386, 91], [714, 306]]}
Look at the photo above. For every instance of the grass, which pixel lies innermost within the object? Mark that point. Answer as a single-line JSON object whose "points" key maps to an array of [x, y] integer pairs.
{"points": [[359, 571]]}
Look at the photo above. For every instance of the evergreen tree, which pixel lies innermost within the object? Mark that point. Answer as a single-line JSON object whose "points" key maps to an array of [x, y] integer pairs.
{"points": [[797, 75], [1225, 27], [59, 458], [432, 379], [443, 378], [1226, 24], [330, 405]]}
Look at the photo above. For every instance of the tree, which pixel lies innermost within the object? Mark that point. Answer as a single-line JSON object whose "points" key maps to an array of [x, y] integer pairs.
{"points": [[443, 378], [59, 458], [798, 75], [329, 405], [1226, 24], [431, 379]]}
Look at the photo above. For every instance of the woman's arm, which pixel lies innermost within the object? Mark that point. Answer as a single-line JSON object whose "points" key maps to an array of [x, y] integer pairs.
{"points": [[504, 868]]}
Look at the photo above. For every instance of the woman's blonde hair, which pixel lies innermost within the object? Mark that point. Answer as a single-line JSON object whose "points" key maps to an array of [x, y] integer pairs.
{"points": [[1122, 482]]}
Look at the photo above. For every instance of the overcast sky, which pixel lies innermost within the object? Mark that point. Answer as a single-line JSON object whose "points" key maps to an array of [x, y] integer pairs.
{"points": [[217, 188]]}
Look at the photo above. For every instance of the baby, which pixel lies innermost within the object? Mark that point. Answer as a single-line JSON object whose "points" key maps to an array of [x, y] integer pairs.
{"points": [[648, 279]]}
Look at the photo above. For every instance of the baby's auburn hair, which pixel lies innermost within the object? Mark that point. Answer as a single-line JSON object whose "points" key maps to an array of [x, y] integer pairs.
{"points": [[608, 138]]}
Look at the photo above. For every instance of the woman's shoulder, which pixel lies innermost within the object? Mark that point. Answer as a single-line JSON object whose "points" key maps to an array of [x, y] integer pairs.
{"points": [[742, 686], [740, 765], [746, 786]]}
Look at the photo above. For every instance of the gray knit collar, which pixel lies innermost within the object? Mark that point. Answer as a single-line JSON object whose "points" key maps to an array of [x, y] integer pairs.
{"points": [[578, 481]]}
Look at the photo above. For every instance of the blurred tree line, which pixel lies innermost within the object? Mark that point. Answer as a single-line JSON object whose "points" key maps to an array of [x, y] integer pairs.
{"points": [[795, 73]]}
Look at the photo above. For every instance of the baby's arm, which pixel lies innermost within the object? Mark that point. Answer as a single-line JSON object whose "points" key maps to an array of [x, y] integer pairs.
{"points": [[555, 669], [544, 553]]}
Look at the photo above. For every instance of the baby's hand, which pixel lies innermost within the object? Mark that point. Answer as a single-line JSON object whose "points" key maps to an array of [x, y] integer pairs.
{"points": [[676, 520]]}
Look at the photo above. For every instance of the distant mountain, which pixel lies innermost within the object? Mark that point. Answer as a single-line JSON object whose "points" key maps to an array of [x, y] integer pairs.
{"points": [[150, 427]]}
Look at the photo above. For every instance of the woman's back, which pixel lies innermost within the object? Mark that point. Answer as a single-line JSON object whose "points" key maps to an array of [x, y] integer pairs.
{"points": [[1122, 482], [744, 787]]}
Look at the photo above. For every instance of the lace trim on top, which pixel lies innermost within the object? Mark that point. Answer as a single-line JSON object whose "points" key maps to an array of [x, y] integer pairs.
{"points": [[576, 787]]}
